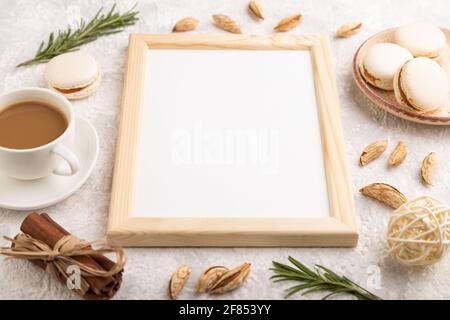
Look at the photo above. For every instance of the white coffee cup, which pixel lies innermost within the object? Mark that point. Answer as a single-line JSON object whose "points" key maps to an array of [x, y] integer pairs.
{"points": [[39, 162]]}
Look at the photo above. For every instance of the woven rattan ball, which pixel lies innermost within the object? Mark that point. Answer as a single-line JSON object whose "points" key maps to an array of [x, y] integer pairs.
{"points": [[419, 232]]}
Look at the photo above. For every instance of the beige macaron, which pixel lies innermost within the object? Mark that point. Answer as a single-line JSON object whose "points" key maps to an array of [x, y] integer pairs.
{"points": [[75, 75], [421, 39], [381, 62], [421, 84]]}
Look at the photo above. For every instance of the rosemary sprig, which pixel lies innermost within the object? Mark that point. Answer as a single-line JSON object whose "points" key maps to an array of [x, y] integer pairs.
{"points": [[320, 279], [70, 40]]}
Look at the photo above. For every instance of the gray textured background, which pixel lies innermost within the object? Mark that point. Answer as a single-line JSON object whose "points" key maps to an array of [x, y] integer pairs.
{"points": [[23, 23]]}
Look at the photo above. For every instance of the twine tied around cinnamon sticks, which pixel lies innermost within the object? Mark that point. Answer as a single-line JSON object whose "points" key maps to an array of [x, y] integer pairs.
{"points": [[50, 247], [60, 257]]}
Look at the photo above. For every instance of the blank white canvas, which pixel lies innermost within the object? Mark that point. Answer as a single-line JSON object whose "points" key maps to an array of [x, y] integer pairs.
{"points": [[230, 133]]}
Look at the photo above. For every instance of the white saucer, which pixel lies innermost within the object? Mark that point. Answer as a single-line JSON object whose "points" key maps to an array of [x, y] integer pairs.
{"points": [[36, 194]]}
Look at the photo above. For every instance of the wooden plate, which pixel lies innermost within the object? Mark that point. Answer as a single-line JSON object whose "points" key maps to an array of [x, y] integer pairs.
{"points": [[386, 99]]}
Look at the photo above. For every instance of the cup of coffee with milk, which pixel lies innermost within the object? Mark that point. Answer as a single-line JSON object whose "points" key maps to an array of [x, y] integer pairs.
{"points": [[36, 134]]}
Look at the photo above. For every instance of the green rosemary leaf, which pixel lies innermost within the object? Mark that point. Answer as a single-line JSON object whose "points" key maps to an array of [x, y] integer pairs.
{"points": [[337, 291], [279, 267], [290, 276], [281, 278], [71, 40], [40, 47], [50, 41], [301, 266], [328, 272], [291, 292], [317, 288], [321, 279]]}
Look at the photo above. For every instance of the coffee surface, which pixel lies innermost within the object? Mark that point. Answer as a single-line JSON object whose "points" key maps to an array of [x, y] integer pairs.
{"points": [[30, 124]]}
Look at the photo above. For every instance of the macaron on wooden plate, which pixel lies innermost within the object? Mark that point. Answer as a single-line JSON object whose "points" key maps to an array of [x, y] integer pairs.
{"points": [[386, 99]]}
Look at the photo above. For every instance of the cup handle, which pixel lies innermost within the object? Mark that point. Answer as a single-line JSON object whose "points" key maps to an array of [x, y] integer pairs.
{"points": [[69, 157]]}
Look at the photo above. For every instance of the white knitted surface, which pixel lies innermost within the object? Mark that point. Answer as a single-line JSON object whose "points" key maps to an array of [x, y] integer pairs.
{"points": [[23, 23]]}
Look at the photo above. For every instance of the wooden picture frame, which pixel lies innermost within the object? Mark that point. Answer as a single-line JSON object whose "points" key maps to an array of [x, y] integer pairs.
{"points": [[339, 230]]}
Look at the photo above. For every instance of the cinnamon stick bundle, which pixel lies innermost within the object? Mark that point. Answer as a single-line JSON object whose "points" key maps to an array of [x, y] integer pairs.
{"points": [[41, 227]]}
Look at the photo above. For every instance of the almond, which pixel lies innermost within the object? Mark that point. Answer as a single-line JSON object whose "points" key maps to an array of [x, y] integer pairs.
{"points": [[178, 280], [231, 279], [226, 23], [384, 193], [255, 7], [429, 168], [372, 151], [288, 23], [186, 24], [398, 155], [349, 29], [209, 278]]}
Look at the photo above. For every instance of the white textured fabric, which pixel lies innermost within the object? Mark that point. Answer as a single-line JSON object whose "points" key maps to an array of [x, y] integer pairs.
{"points": [[23, 23]]}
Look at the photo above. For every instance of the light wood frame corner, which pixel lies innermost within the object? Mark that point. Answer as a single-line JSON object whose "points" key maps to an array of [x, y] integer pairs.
{"points": [[339, 230]]}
